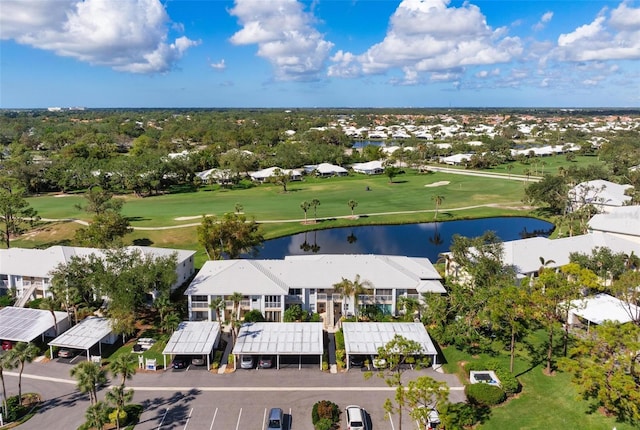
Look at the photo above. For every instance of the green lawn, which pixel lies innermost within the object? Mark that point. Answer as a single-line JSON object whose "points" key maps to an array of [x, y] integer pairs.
{"points": [[545, 402], [408, 192]]}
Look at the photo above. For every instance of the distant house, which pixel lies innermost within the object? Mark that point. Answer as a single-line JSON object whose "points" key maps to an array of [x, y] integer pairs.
{"points": [[264, 174], [325, 170], [601, 308], [600, 193], [369, 168], [218, 176], [456, 159]]}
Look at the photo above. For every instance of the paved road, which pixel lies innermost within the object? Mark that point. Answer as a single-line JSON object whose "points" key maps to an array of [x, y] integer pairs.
{"points": [[197, 399]]}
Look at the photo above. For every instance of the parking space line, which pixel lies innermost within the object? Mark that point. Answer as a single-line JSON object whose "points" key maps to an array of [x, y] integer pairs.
{"points": [[166, 411], [290, 420], [264, 418], [188, 418], [239, 415], [214, 419], [391, 421]]}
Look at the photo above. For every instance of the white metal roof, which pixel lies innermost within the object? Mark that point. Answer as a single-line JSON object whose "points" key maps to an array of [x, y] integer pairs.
{"points": [[367, 337], [40, 262], [622, 220], [263, 277], [25, 324], [85, 334], [193, 337], [604, 307], [295, 338], [600, 192]]}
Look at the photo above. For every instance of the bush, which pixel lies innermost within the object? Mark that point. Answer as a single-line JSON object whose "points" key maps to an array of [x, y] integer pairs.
{"points": [[508, 381], [339, 335], [14, 410], [324, 424], [327, 410], [122, 416], [254, 315], [484, 394]]}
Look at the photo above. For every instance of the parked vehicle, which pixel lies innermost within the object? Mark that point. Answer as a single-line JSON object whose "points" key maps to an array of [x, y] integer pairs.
{"points": [[355, 418], [275, 419], [198, 360], [356, 360], [7, 345], [378, 363], [66, 353], [180, 363], [265, 362], [246, 362]]}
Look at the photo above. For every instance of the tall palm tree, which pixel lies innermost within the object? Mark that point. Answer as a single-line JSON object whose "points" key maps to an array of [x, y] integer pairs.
{"points": [[21, 353], [315, 203], [217, 305], [348, 288], [352, 204], [119, 397], [164, 306], [305, 207], [124, 365], [5, 363], [171, 322], [97, 415], [236, 298], [438, 201], [50, 304], [89, 376]]}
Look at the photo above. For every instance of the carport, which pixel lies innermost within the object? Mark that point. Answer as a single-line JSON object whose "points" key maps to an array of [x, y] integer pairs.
{"points": [[272, 338], [86, 334], [364, 338], [25, 324], [193, 338]]}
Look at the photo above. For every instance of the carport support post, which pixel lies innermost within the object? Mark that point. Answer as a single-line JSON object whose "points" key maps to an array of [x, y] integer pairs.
{"points": [[88, 355], [320, 362], [51, 352]]}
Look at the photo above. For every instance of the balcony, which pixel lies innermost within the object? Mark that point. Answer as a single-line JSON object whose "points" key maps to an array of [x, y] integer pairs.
{"points": [[199, 305], [272, 305], [243, 304], [293, 298], [366, 299]]}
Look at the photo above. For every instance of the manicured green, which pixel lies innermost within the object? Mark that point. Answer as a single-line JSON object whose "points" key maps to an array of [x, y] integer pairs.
{"points": [[545, 402]]}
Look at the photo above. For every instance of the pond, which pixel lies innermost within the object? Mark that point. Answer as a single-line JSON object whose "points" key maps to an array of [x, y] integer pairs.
{"points": [[414, 240]]}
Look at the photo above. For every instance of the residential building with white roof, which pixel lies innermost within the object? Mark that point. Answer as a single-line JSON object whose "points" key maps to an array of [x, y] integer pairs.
{"points": [[27, 272], [271, 286], [602, 194]]}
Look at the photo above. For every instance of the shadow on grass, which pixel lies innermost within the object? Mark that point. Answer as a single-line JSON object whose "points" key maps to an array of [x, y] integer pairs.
{"points": [[143, 242]]}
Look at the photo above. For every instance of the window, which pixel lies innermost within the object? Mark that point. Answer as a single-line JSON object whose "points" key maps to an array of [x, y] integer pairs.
{"points": [[272, 301], [295, 291], [199, 298]]}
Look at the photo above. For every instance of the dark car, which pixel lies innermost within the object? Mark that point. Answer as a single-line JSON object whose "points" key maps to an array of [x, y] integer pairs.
{"points": [[180, 363], [356, 360]]}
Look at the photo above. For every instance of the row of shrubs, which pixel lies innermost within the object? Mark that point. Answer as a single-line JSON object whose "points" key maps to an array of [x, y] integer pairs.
{"points": [[489, 395]]}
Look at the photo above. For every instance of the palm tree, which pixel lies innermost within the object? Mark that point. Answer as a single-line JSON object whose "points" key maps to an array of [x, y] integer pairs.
{"points": [[164, 306], [236, 298], [97, 415], [119, 397], [315, 203], [348, 288], [89, 376], [217, 305], [509, 169], [22, 352], [352, 204], [124, 365], [544, 264], [50, 304], [171, 322], [438, 201], [305, 207], [5, 363]]}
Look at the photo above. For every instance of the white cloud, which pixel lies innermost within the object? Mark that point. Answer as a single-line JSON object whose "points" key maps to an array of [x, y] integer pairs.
{"points": [[429, 36], [126, 35], [220, 65], [285, 37], [544, 20], [612, 37]]}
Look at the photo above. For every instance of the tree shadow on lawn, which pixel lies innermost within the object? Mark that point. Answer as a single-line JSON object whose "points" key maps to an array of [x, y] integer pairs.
{"points": [[137, 218], [143, 242]]}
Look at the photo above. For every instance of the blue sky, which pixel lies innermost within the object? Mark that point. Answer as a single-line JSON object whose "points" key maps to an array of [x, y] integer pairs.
{"points": [[321, 53]]}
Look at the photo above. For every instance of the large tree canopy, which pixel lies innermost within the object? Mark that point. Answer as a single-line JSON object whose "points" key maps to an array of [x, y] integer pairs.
{"points": [[15, 211], [231, 235]]}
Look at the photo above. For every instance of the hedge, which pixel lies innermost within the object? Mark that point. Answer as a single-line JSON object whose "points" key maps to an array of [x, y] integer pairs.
{"points": [[484, 394]]}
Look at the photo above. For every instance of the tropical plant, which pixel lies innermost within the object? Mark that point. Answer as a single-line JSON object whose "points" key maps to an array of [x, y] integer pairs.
{"points": [[124, 365], [348, 288], [21, 353], [315, 203], [89, 377], [119, 397], [97, 415], [352, 205], [305, 207], [217, 305], [6, 363], [438, 201]]}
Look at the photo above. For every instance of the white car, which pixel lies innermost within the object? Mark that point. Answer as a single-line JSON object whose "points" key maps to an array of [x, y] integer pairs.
{"points": [[355, 418], [246, 362]]}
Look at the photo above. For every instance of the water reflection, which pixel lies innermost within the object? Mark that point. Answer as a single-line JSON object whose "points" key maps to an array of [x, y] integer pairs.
{"points": [[416, 240]]}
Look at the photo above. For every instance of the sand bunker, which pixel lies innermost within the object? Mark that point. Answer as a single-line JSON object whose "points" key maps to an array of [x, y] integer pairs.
{"points": [[438, 184], [187, 218]]}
